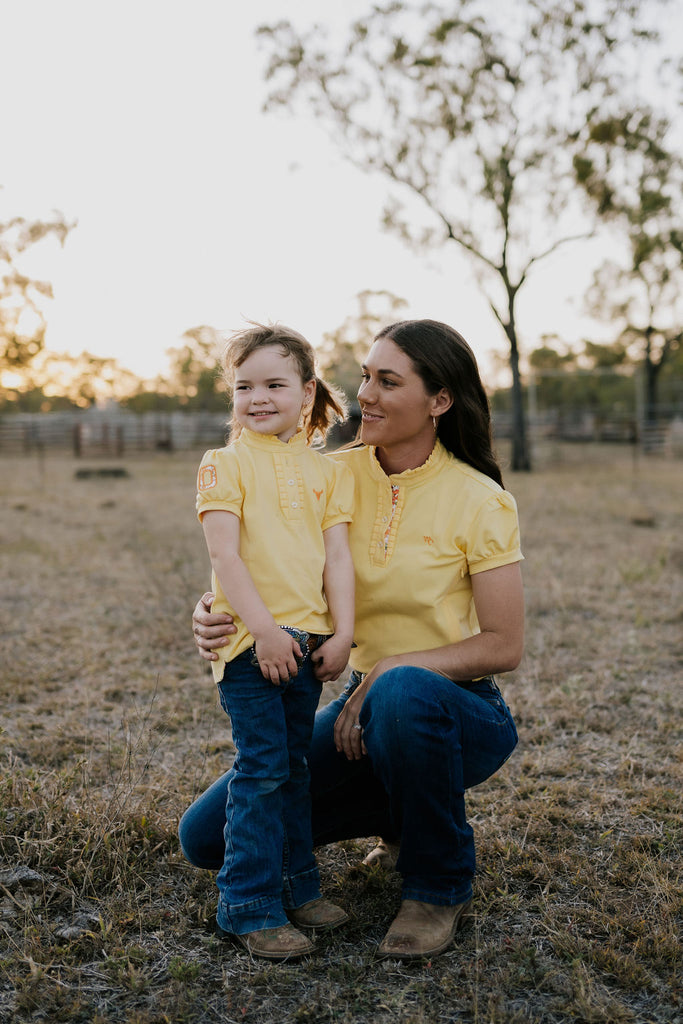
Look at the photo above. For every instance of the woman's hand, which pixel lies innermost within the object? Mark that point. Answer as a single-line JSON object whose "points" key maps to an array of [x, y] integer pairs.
{"points": [[210, 631], [348, 735]]}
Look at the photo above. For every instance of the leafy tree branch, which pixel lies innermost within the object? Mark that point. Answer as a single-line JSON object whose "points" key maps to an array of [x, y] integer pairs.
{"points": [[478, 116]]}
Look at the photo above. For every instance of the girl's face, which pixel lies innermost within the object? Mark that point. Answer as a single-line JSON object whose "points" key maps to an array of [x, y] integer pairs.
{"points": [[397, 410], [269, 394]]}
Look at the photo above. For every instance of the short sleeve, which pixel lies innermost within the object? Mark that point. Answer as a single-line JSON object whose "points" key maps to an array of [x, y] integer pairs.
{"points": [[339, 508], [494, 535], [219, 483]]}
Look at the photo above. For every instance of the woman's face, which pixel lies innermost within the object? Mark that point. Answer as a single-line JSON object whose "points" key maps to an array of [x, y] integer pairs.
{"points": [[396, 408]]}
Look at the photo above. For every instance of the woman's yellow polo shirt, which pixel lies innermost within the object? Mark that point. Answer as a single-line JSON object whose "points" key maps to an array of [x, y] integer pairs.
{"points": [[415, 548]]}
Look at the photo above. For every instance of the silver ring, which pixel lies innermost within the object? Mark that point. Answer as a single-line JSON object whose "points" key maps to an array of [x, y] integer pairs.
{"points": [[357, 726]]}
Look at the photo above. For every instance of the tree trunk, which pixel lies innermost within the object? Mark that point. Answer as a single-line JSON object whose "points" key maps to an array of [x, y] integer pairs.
{"points": [[521, 456], [652, 369]]}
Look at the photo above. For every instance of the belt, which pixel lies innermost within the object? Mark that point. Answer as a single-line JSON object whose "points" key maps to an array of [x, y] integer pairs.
{"points": [[473, 684], [308, 642]]}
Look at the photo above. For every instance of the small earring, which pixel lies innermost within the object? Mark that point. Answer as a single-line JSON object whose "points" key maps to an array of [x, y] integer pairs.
{"points": [[434, 423]]}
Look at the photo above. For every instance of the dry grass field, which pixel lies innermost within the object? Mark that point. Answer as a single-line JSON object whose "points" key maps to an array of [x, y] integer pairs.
{"points": [[110, 725]]}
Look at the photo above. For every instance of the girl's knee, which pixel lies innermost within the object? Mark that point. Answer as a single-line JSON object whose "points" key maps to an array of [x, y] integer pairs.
{"points": [[255, 768]]}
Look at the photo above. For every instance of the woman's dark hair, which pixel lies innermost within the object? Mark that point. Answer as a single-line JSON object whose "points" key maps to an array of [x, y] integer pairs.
{"points": [[443, 359]]}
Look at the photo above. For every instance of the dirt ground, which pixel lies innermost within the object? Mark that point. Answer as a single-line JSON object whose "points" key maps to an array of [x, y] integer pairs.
{"points": [[110, 726]]}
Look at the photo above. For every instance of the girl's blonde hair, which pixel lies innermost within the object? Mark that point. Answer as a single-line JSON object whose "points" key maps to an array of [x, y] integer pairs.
{"points": [[329, 403]]}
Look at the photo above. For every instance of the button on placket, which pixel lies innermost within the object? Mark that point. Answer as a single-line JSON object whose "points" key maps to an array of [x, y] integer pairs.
{"points": [[291, 495]]}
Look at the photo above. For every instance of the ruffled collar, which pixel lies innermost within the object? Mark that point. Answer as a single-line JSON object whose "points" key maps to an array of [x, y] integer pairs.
{"points": [[409, 477], [271, 443]]}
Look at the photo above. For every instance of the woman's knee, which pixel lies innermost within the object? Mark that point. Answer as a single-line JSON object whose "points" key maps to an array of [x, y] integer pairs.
{"points": [[397, 686], [393, 700], [200, 829], [199, 845]]}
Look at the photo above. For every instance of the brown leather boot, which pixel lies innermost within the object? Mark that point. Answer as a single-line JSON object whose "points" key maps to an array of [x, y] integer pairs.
{"points": [[422, 929], [319, 914], [385, 854], [281, 943]]}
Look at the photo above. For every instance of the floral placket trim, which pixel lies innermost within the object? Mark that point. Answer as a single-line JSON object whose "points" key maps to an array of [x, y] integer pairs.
{"points": [[394, 502]]}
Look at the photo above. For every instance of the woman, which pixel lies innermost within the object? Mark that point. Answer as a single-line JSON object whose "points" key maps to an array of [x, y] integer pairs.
{"points": [[439, 610]]}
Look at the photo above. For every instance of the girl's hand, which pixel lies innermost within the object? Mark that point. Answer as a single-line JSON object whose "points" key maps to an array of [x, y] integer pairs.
{"points": [[210, 631], [330, 659], [348, 736], [277, 651]]}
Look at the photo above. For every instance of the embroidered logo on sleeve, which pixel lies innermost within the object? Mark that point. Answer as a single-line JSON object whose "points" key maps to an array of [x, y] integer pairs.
{"points": [[318, 494], [207, 477]]}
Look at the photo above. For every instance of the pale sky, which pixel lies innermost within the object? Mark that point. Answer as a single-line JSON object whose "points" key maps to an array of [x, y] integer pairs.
{"points": [[142, 120]]}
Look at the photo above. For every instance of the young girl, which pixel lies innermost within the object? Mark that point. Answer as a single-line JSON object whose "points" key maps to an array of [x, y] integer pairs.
{"points": [[275, 517]]}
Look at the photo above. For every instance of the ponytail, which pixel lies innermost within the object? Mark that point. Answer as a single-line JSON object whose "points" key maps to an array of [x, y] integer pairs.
{"points": [[329, 406]]}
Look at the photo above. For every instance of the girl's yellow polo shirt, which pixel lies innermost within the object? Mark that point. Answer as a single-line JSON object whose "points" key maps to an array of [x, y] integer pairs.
{"points": [[286, 496], [416, 538]]}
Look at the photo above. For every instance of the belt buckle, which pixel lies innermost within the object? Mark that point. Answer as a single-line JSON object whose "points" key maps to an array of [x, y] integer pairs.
{"points": [[301, 637]]}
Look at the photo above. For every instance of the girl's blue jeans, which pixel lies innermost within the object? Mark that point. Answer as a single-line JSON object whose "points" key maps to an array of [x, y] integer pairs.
{"points": [[266, 845], [428, 741]]}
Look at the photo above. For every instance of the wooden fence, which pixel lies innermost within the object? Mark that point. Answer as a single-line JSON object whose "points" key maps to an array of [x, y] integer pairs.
{"points": [[114, 434], [102, 433]]}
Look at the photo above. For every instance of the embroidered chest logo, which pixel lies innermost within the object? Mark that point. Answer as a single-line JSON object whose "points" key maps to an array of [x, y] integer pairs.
{"points": [[207, 478], [428, 540], [318, 494]]}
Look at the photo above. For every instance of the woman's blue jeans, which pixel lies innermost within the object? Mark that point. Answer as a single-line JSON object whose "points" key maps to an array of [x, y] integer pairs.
{"points": [[428, 741], [267, 857]]}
